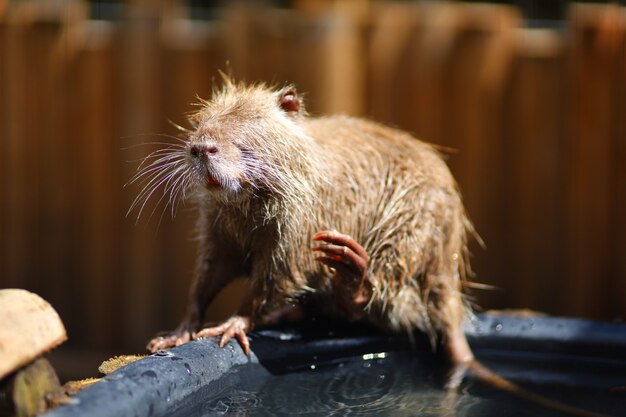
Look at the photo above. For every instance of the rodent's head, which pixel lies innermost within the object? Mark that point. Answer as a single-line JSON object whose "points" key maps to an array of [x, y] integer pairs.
{"points": [[245, 138]]}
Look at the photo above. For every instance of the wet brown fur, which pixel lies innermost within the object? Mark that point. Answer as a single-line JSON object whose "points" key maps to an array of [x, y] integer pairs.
{"points": [[283, 177], [391, 192]]}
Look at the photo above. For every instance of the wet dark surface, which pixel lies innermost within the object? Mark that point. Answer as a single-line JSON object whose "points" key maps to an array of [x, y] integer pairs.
{"points": [[321, 368], [401, 384], [307, 371]]}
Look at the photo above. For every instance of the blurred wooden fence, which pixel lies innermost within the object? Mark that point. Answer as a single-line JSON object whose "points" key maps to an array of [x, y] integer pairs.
{"points": [[537, 118]]}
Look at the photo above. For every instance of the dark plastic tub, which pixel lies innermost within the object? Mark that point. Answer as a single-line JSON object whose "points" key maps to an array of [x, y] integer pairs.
{"points": [[329, 368]]}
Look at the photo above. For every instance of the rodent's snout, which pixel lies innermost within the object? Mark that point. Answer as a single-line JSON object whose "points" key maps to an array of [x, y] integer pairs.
{"points": [[203, 150]]}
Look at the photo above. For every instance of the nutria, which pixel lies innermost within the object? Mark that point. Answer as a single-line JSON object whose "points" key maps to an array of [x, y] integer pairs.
{"points": [[380, 207]]}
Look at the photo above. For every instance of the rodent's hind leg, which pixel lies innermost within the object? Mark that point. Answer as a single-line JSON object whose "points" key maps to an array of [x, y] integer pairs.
{"points": [[237, 326], [289, 313], [349, 259], [455, 346], [459, 355]]}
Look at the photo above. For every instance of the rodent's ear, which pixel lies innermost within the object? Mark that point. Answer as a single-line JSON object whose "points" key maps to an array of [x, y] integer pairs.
{"points": [[289, 101]]}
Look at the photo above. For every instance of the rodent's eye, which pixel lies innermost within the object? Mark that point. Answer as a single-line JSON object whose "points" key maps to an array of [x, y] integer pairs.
{"points": [[289, 101]]}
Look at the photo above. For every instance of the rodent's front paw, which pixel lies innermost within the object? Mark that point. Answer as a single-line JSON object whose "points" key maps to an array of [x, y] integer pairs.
{"points": [[236, 326], [170, 339]]}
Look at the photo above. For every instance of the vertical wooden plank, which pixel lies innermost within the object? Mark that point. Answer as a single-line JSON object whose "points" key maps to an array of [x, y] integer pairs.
{"points": [[269, 36], [394, 29], [592, 64], [332, 72], [236, 26], [139, 62], [267, 45], [39, 221], [191, 59], [534, 132], [449, 89], [427, 75], [477, 68], [20, 191], [618, 287], [4, 155], [99, 185]]}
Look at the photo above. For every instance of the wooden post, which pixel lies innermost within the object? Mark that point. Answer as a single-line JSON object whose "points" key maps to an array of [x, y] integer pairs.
{"points": [[592, 44], [192, 55], [100, 186], [394, 30], [618, 214], [472, 54], [140, 107], [535, 149], [40, 47]]}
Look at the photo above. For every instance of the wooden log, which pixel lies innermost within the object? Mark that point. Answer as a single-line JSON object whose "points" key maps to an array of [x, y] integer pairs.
{"points": [[29, 328], [31, 388]]}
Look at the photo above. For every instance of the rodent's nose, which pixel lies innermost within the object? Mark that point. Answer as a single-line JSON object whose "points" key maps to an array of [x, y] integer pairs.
{"points": [[203, 150]]}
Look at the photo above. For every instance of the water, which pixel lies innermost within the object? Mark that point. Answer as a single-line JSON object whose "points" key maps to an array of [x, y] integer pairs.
{"points": [[400, 384]]}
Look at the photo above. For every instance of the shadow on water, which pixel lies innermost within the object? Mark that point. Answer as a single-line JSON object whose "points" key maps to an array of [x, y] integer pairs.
{"points": [[398, 385], [399, 381]]}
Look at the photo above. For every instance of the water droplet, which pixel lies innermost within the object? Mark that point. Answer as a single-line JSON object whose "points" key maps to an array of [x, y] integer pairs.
{"points": [[149, 374], [313, 366], [496, 326], [188, 368], [162, 352]]}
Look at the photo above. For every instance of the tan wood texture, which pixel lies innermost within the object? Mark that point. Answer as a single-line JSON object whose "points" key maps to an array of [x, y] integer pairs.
{"points": [[29, 327]]}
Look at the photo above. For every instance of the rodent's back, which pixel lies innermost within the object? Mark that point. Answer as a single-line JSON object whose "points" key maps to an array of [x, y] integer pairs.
{"points": [[395, 195]]}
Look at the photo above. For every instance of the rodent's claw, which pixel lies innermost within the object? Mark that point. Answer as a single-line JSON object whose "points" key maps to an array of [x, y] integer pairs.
{"points": [[350, 262], [344, 254], [175, 338], [336, 239], [236, 326]]}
